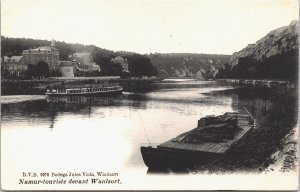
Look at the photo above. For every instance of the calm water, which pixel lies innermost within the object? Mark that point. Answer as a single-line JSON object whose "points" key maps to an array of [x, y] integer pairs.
{"points": [[105, 133]]}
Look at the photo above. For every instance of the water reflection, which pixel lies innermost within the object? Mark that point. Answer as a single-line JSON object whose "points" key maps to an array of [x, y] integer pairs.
{"points": [[110, 124], [275, 110]]}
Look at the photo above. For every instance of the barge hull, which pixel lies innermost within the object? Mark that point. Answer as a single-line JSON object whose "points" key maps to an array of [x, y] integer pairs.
{"points": [[171, 158]]}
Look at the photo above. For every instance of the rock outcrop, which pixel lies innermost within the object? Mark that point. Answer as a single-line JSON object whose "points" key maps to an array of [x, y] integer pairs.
{"points": [[276, 42], [189, 65]]}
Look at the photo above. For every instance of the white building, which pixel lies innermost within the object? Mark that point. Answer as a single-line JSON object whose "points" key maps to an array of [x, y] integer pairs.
{"points": [[85, 62], [67, 68]]}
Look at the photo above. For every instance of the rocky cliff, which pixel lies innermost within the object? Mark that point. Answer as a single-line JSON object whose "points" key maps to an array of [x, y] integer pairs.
{"points": [[279, 41], [201, 66]]}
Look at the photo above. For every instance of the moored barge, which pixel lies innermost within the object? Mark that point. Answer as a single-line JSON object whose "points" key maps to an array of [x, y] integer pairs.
{"points": [[211, 140]]}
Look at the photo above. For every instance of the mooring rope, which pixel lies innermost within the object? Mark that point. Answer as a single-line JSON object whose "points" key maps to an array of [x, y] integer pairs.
{"points": [[144, 129]]}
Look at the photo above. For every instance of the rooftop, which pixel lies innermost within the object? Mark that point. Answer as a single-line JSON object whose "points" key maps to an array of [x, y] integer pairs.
{"points": [[44, 48], [6, 59], [16, 58], [66, 63], [12, 58]]}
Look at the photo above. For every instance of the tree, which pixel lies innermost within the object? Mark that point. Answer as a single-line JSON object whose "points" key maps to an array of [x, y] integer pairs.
{"points": [[114, 69], [55, 73], [4, 73], [223, 72], [42, 69], [39, 70], [140, 65], [31, 71]]}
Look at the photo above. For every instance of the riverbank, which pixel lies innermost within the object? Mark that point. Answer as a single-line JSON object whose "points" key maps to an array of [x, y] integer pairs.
{"points": [[285, 158], [184, 78], [259, 82], [38, 87], [25, 87]]}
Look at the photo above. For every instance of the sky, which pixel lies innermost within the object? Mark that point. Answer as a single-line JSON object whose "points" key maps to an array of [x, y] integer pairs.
{"points": [[149, 26]]}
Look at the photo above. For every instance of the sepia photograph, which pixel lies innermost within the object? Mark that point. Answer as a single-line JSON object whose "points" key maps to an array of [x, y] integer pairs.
{"points": [[149, 95]]}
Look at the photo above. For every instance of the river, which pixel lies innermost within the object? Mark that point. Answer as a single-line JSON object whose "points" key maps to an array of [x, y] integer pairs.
{"points": [[105, 133]]}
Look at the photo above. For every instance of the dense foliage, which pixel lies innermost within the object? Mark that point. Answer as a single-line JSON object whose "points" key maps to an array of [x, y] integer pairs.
{"points": [[4, 73], [140, 65], [172, 64], [41, 69]]}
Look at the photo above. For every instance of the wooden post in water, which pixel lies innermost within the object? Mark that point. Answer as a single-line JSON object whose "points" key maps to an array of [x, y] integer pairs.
{"points": [[252, 118]]}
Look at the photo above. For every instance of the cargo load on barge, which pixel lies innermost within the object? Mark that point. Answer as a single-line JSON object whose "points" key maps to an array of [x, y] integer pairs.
{"points": [[212, 138]]}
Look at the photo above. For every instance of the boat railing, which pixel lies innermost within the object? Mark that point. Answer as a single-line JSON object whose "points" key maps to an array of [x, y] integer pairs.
{"points": [[74, 86]]}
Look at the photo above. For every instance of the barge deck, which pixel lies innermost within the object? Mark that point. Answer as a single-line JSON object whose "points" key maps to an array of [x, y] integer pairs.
{"points": [[212, 141]]}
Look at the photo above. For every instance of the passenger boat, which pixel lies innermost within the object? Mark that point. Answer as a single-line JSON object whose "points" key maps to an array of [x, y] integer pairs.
{"points": [[84, 86], [212, 139]]}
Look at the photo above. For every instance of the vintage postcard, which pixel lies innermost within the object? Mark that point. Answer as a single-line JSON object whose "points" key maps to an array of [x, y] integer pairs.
{"points": [[149, 94]]}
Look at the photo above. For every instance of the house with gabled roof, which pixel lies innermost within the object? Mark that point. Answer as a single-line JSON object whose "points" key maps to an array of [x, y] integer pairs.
{"points": [[14, 66]]}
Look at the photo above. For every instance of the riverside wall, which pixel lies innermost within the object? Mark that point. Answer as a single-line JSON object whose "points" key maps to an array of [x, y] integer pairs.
{"points": [[38, 87], [259, 82]]}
